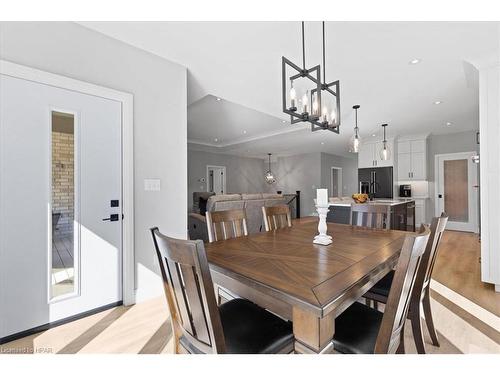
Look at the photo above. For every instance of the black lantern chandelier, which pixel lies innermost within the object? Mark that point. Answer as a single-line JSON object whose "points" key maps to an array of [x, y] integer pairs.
{"points": [[324, 111]]}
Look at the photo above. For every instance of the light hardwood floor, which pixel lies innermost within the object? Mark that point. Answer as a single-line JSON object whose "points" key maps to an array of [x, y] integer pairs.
{"points": [[146, 328], [458, 267]]}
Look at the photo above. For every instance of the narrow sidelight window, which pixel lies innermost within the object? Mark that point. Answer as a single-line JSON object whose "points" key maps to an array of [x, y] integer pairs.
{"points": [[63, 254]]}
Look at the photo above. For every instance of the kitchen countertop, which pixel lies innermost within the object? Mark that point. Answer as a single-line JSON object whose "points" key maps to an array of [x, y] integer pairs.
{"points": [[385, 202]]}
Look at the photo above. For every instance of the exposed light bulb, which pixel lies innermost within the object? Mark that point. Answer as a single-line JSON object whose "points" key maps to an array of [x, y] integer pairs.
{"points": [[315, 105], [333, 116], [355, 144], [385, 153], [293, 96], [325, 114], [305, 102]]}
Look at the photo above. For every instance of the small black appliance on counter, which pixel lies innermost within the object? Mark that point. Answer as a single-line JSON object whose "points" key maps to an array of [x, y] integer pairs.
{"points": [[405, 191]]}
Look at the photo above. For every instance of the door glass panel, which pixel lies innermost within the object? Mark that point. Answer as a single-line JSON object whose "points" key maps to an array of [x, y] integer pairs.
{"points": [[63, 205], [456, 194]]}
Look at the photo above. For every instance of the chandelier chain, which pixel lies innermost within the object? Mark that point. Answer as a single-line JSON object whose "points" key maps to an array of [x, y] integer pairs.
{"points": [[324, 64], [303, 48]]}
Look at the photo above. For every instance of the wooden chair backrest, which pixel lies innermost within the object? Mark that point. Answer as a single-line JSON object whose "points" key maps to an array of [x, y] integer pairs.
{"points": [[370, 215], [190, 294], [398, 302], [276, 217], [223, 225], [438, 226]]}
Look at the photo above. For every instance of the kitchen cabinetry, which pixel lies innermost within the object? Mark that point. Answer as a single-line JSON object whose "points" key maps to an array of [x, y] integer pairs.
{"points": [[401, 212], [412, 159], [369, 155]]}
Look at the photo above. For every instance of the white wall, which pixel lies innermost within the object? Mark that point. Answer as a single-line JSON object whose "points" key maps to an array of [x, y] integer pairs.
{"points": [[159, 89]]}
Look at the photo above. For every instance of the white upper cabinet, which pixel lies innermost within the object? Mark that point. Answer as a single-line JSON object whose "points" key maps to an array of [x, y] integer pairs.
{"points": [[412, 159], [369, 155], [365, 155], [418, 166], [404, 166]]}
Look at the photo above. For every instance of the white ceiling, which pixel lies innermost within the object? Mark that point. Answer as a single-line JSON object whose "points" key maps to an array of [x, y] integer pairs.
{"points": [[240, 62]]}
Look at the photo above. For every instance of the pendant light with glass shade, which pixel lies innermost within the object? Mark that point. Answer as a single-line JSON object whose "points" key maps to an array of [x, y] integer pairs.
{"points": [[355, 141], [385, 152], [269, 175]]}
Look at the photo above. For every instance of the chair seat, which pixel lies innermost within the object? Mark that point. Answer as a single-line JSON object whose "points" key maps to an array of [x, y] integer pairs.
{"points": [[356, 329], [249, 328], [383, 287]]}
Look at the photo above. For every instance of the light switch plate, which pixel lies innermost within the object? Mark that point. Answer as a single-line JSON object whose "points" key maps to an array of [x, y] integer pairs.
{"points": [[152, 184]]}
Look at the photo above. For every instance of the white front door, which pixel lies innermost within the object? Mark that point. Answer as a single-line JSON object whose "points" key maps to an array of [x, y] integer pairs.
{"points": [[456, 190], [61, 180]]}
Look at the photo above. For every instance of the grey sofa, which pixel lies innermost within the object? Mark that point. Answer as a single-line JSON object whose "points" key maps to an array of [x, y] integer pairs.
{"points": [[252, 203]]}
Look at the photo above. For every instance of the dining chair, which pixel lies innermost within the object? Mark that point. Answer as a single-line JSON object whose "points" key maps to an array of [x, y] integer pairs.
{"points": [[276, 217], [361, 329], [370, 215], [223, 225], [199, 325], [421, 291]]}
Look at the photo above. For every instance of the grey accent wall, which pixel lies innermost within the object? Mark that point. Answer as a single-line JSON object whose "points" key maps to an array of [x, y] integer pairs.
{"points": [[298, 172], [243, 175], [160, 107], [445, 144], [349, 172]]}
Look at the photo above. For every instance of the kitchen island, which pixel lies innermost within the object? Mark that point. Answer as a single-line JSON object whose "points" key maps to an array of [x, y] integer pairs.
{"points": [[402, 212]]}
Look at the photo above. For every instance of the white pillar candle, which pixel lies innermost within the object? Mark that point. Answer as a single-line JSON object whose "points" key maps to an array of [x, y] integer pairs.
{"points": [[322, 197]]}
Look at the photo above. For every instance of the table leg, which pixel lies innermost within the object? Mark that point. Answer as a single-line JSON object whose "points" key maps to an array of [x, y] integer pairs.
{"points": [[312, 334]]}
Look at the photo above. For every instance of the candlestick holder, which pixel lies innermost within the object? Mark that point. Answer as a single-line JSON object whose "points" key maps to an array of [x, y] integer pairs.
{"points": [[322, 238]]}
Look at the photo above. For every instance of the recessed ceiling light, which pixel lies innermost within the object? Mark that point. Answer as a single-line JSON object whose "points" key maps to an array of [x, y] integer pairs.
{"points": [[322, 143], [449, 124], [218, 99], [438, 102], [414, 61], [216, 139], [283, 121], [373, 135], [244, 132]]}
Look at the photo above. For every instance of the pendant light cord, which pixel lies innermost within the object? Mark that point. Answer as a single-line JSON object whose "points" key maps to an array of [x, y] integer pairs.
{"points": [[356, 119], [303, 48], [324, 64]]}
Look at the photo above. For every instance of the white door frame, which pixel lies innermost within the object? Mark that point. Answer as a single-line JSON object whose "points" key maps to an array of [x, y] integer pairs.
{"points": [[127, 101], [473, 197], [223, 179], [339, 179]]}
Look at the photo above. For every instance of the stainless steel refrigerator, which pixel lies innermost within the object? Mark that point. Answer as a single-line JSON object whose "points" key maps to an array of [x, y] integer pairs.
{"points": [[376, 182]]}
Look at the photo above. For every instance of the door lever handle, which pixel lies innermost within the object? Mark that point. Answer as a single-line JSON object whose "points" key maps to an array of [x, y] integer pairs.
{"points": [[112, 217]]}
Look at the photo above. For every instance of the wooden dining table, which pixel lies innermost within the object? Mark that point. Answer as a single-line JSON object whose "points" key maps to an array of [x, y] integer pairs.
{"points": [[308, 284]]}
